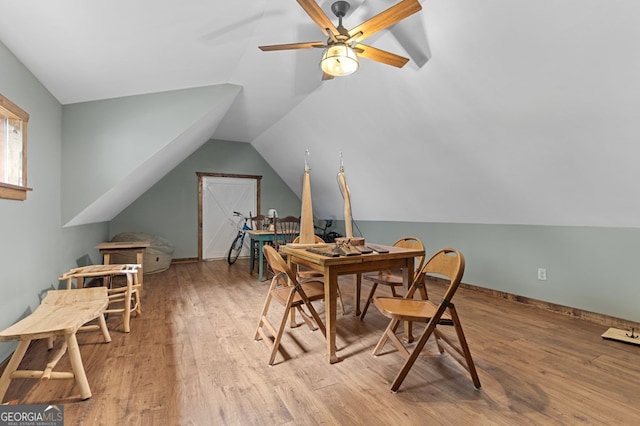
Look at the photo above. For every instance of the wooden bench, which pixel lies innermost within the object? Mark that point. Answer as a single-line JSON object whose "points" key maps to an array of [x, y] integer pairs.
{"points": [[61, 313]]}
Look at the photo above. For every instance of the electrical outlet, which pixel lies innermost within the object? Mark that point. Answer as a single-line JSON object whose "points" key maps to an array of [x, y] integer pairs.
{"points": [[542, 274]]}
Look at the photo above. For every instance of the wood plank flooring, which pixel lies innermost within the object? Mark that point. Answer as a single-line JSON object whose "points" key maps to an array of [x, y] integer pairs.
{"points": [[190, 359]]}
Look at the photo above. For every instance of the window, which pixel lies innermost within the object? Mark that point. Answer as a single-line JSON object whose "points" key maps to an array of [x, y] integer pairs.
{"points": [[13, 151]]}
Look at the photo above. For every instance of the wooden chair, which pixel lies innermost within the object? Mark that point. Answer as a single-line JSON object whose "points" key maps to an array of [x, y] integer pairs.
{"points": [[286, 230], [125, 299], [393, 278], [288, 292], [305, 274], [448, 263], [259, 222]]}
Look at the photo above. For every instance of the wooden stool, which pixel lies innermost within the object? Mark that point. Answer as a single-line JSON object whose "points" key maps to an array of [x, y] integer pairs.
{"points": [[123, 247], [61, 313], [128, 295]]}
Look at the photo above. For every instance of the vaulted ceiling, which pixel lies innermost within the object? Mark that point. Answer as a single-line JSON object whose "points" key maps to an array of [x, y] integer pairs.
{"points": [[510, 111]]}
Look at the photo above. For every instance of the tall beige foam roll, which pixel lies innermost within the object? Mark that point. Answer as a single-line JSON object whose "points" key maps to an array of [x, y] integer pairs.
{"points": [[306, 212], [348, 228]]}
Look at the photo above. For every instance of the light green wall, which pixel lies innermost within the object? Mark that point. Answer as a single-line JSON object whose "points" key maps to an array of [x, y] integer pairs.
{"points": [[587, 268], [34, 248], [115, 149], [170, 208], [593, 269]]}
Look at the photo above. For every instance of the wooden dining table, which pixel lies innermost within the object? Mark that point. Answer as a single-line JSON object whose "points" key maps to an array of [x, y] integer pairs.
{"points": [[333, 267], [137, 248]]}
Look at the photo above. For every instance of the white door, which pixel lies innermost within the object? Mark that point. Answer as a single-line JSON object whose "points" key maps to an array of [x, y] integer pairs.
{"points": [[221, 196]]}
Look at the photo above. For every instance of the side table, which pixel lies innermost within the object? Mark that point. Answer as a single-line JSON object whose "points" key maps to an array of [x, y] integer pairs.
{"points": [[137, 247]]}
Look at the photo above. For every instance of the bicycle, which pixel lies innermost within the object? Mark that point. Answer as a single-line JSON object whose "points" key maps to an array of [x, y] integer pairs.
{"points": [[238, 241], [327, 237]]}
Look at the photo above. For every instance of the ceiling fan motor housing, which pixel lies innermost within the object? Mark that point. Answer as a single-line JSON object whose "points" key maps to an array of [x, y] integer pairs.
{"points": [[340, 8]]}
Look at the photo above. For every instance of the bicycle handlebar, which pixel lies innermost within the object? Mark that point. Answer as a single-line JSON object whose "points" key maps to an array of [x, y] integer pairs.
{"points": [[242, 216]]}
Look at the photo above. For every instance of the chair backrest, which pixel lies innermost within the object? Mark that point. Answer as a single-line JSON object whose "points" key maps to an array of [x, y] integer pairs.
{"points": [[100, 271], [278, 265], [412, 243], [260, 222], [447, 262], [316, 240], [286, 229]]}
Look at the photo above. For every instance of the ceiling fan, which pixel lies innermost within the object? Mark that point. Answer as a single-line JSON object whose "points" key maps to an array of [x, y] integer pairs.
{"points": [[343, 47]]}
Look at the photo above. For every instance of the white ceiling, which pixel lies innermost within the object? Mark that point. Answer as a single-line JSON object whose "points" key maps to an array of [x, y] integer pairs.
{"points": [[527, 111]]}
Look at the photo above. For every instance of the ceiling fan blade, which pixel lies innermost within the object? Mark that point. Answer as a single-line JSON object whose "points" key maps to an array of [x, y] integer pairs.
{"points": [[326, 76], [318, 16], [380, 55], [385, 19], [291, 46]]}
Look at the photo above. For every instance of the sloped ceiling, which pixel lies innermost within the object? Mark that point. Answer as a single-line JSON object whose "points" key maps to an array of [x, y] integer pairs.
{"points": [[526, 112], [115, 150]]}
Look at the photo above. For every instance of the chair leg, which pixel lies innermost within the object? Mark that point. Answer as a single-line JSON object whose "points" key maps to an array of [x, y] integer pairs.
{"points": [[263, 314], [423, 291], [313, 314], [389, 331], [280, 332], [393, 338], [127, 310], [402, 374], [292, 319], [136, 299], [369, 300], [264, 322], [281, 327], [465, 347], [438, 336], [317, 318], [306, 318]]}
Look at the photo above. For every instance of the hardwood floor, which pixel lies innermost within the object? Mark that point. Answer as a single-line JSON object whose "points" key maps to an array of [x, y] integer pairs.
{"points": [[190, 359]]}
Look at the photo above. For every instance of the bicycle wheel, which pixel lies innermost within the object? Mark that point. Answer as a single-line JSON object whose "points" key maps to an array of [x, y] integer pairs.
{"points": [[235, 249], [331, 237]]}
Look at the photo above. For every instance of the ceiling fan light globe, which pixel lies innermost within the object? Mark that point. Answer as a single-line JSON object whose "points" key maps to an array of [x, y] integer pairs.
{"points": [[339, 60]]}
